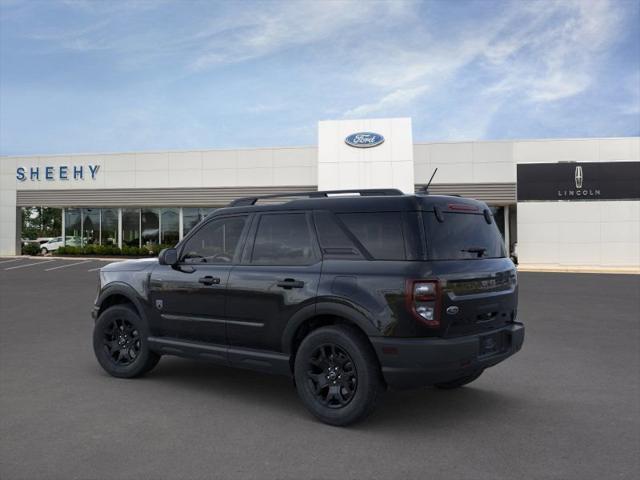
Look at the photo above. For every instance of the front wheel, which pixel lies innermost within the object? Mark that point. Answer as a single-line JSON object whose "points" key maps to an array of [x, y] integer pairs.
{"points": [[44, 251], [120, 343], [459, 382], [337, 375]]}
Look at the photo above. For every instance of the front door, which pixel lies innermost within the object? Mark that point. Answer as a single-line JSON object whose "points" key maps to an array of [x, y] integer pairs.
{"points": [[278, 276], [189, 298]]}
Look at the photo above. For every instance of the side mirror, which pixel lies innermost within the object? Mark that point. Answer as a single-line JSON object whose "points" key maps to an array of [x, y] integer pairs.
{"points": [[168, 256]]}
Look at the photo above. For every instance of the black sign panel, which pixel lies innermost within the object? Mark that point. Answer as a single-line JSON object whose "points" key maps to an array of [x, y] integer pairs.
{"points": [[579, 181]]}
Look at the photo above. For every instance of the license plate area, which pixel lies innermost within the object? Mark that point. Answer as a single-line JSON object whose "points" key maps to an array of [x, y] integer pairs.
{"points": [[493, 344]]}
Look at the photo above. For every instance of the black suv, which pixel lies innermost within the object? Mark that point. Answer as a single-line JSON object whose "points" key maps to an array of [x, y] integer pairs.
{"points": [[347, 292]]}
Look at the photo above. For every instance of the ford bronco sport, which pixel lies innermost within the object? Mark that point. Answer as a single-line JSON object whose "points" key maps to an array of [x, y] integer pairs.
{"points": [[347, 294]]}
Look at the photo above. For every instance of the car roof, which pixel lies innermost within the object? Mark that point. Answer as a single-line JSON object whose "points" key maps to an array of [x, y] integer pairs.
{"points": [[383, 203]]}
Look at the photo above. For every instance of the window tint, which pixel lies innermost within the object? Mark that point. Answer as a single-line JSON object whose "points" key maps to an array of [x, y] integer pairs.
{"points": [[334, 241], [214, 242], [462, 236], [283, 239], [380, 233]]}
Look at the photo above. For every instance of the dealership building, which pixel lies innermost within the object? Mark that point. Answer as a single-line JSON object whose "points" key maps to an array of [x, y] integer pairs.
{"points": [[561, 203]]}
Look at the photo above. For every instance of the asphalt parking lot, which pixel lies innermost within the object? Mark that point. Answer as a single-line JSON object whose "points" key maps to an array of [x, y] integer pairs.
{"points": [[567, 406]]}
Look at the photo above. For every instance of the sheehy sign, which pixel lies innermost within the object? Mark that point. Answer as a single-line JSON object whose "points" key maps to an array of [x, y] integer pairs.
{"points": [[575, 181], [60, 172]]}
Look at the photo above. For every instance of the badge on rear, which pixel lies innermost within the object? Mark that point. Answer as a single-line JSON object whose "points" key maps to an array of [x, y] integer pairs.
{"points": [[452, 310]]}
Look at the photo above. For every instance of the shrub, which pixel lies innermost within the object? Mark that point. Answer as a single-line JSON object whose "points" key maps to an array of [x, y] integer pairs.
{"points": [[30, 249], [111, 250]]}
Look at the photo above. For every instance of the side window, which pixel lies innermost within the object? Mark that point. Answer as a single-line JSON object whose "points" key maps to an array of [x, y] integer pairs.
{"points": [[215, 242], [379, 232], [335, 243], [283, 239]]}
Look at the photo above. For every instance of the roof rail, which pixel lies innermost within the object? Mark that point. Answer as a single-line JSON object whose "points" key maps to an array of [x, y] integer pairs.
{"points": [[246, 201]]}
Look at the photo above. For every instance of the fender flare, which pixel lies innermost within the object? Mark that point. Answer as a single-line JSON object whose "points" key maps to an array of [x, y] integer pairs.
{"points": [[326, 307], [127, 291]]}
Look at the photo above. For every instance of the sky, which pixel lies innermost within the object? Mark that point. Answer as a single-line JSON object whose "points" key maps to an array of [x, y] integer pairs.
{"points": [[82, 76]]}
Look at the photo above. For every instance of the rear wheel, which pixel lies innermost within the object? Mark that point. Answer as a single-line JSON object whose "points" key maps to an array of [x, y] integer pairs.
{"points": [[120, 343], [459, 382], [337, 375]]}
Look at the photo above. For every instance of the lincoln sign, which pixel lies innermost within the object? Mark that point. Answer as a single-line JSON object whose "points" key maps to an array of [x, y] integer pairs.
{"points": [[575, 181]]}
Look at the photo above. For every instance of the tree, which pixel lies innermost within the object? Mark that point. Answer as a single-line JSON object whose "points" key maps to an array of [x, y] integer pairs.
{"points": [[41, 222]]}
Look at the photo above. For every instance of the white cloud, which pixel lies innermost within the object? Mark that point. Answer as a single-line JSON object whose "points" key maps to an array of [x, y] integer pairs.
{"points": [[537, 51], [552, 57], [396, 99], [287, 25]]}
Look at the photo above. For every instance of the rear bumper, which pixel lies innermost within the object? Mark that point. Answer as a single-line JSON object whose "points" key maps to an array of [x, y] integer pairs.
{"points": [[416, 362]]}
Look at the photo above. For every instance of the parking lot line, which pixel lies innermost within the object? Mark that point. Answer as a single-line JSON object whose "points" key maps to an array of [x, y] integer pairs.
{"points": [[9, 261], [94, 269], [30, 264], [68, 265]]}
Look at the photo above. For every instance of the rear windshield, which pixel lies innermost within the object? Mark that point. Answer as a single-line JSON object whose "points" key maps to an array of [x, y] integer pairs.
{"points": [[462, 236]]}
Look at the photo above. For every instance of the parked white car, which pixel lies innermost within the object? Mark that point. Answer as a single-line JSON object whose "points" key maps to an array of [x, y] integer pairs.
{"points": [[52, 245], [57, 242]]}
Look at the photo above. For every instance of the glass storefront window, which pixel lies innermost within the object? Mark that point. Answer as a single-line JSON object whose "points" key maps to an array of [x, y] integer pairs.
{"points": [[205, 211], [109, 226], [140, 226], [169, 224], [131, 227], [150, 226], [72, 226], [191, 216], [90, 226]]}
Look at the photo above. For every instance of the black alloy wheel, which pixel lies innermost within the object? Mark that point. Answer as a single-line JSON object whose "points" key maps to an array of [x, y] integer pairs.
{"points": [[337, 374], [332, 376], [121, 341]]}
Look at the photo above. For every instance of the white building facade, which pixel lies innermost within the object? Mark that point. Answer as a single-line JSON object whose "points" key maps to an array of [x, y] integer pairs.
{"points": [[564, 202]]}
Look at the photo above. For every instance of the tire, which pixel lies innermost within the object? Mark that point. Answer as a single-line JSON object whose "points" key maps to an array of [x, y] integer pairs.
{"points": [[459, 382], [44, 251], [120, 343], [337, 375]]}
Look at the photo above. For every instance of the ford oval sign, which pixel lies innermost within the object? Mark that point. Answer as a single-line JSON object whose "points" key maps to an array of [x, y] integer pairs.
{"points": [[364, 139]]}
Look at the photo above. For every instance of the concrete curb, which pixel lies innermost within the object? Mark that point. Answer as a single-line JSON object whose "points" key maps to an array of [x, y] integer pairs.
{"points": [[577, 269], [53, 257]]}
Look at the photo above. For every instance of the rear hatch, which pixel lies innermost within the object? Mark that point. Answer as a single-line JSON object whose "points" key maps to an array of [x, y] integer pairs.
{"points": [[477, 283]]}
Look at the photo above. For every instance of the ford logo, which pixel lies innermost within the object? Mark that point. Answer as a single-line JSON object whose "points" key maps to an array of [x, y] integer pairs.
{"points": [[452, 310], [364, 139]]}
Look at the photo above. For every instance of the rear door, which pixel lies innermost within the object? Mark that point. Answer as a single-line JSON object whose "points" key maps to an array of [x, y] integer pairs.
{"points": [[478, 283], [278, 276]]}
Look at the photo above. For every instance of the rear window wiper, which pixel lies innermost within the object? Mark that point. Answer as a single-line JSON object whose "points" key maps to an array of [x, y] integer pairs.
{"points": [[479, 250]]}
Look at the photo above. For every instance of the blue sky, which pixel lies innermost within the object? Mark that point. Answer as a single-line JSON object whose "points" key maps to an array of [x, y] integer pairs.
{"points": [[103, 76]]}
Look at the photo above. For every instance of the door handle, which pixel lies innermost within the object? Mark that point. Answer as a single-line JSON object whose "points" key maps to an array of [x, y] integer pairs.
{"points": [[290, 283], [209, 280]]}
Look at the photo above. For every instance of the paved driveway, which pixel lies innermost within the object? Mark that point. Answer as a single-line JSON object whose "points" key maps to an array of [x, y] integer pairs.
{"points": [[567, 406]]}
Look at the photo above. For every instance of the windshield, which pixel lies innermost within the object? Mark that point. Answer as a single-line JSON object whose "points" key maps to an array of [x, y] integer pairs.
{"points": [[462, 236]]}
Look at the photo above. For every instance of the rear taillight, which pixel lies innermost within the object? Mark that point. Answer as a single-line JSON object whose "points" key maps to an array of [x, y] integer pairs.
{"points": [[423, 300]]}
